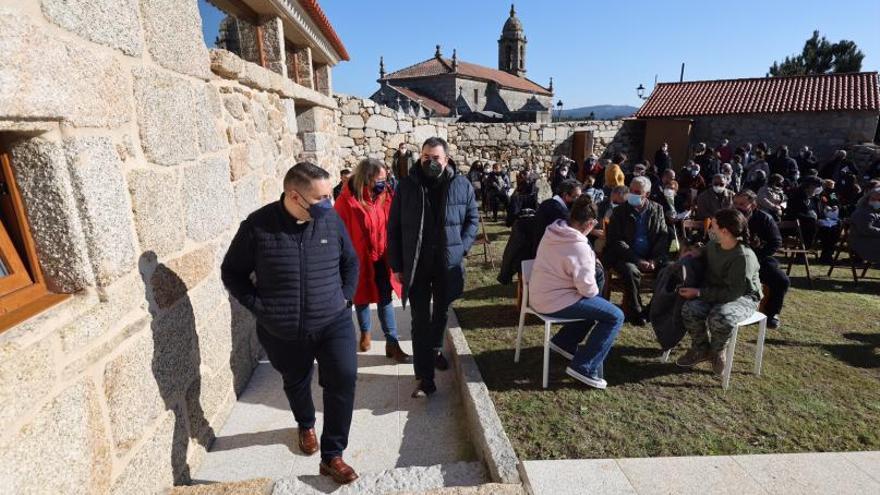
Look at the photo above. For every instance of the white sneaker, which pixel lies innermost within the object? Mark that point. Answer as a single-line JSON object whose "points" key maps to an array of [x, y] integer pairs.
{"points": [[562, 352], [593, 382]]}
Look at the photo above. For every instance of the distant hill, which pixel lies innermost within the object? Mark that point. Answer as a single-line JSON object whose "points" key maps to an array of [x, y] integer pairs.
{"points": [[601, 112]]}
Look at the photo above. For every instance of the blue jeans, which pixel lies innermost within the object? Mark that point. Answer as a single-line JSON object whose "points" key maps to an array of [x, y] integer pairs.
{"points": [[608, 320], [385, 308]]}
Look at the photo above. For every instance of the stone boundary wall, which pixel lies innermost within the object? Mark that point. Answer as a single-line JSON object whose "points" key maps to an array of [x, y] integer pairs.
{"points": [[824, 132], [367, 129], [137, 152]]}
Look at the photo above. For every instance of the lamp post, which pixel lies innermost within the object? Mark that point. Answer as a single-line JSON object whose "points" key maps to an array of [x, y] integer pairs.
{"points": [[559, 110], [641, 92]]}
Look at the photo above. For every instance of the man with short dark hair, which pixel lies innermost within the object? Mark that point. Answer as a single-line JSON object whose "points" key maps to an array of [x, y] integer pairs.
{"points": [[555, 208], [714, 199], [402, 161], [765, 241], [306, 274], [344, 175], [431, 227]]}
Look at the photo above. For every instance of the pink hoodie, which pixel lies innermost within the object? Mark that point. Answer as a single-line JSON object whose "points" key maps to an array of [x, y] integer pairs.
{"points": [[564, 271]]}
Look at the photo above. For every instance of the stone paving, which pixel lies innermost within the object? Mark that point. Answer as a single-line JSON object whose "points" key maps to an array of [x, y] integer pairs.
{"points": [[396, 443], [796, 474]]}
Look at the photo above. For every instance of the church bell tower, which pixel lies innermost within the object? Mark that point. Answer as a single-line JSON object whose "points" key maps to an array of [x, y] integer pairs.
{"points": [[512, 46]]}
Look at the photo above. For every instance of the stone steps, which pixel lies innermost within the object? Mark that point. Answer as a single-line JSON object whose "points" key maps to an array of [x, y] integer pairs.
{"points": [[414, 479]]}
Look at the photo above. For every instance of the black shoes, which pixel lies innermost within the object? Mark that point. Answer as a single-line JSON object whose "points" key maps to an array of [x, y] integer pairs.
{"points": [[440, 362], [424, 389]]}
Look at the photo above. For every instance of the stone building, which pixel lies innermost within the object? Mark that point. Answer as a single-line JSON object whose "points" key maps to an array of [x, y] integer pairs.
{"points": [[452, 89], [129, 153], [824, 112]]}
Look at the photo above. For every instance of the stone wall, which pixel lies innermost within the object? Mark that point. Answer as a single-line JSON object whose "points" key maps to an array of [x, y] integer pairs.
{"points": [[824, 132], [540, 144], [137, 152], [367, 129]]}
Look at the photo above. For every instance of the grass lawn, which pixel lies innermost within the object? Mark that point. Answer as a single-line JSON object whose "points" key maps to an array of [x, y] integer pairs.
{"points": [[819, 390]]}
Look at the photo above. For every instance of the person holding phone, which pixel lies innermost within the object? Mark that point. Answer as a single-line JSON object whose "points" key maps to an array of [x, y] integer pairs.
{"points": [[563, 285]]}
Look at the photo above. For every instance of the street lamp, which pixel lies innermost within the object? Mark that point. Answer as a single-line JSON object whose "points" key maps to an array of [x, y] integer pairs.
{"points": [[559, 109], [641, 92]]}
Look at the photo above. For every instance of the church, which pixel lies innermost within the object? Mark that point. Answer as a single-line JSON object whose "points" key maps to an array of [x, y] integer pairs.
{"points": [[455, 90]]}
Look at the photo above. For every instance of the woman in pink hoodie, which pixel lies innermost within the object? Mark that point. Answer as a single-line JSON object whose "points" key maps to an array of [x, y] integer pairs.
{"points": [[563, 285]]}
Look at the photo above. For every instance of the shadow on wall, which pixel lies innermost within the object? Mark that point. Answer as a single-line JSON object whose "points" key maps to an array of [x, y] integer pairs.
{"points": [[176, 359]]}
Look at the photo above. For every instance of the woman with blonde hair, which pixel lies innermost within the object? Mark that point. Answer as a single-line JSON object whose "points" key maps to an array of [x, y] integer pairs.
{"points": [[363, 205]]}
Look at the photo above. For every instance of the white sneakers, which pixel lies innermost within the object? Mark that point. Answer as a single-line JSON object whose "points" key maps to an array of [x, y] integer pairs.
{"points": [[593, 382]]}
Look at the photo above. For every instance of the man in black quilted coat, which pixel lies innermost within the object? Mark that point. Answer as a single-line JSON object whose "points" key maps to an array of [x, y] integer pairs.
{"points": [[432, 225], [306, 274]]}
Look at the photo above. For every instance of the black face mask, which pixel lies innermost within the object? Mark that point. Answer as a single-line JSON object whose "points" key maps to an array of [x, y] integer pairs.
{"points": [[432, 169]]}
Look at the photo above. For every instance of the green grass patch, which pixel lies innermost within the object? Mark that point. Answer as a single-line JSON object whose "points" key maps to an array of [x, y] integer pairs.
{"points": [[819, 390]]}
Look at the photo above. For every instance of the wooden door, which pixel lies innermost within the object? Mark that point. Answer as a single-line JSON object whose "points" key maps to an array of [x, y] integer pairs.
{"points": [[676, 133], [581, 147]]}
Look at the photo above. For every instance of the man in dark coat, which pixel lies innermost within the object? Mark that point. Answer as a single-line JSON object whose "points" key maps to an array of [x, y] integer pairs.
{"points": [[637, 242], [306, 274], [432, 225], [765, 241], [662, 160], [402, 161]]}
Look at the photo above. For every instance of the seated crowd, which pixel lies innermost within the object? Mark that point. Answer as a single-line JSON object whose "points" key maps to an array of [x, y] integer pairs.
{"points": [[616, 222]]}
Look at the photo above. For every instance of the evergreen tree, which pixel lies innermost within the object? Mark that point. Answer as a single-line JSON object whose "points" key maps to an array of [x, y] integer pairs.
{"points": [[819, 56]]}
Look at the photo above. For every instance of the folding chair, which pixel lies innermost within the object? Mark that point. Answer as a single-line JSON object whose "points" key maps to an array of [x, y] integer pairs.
{"points": [[761, 320], [843, 246], [793, 246], [483, 240], [548, 321]]}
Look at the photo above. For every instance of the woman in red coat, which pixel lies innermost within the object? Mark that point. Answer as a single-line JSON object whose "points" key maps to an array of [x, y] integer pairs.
{"points": [[364, 204]]}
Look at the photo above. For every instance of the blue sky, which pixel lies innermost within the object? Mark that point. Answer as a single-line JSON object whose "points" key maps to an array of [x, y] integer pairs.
{"points": [[596, 52]]}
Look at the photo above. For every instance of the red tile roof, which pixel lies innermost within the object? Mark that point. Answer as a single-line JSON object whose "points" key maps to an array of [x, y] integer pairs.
{"points": [[435, 66], [317, 15], [813, 93], [438, 108]]}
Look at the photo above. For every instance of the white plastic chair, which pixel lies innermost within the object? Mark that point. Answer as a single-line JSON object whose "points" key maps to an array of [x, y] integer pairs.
{"points": [[761, 320], [548, 321]]}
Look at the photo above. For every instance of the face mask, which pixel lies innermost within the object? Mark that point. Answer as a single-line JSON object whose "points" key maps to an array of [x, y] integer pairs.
{"points": [[669, 193], [874, 204], [713, 235], [817, 191], [379, 187], [563, 171], [319, 209], [432, 169], [695, 172], [718, 189], [634, 200]]}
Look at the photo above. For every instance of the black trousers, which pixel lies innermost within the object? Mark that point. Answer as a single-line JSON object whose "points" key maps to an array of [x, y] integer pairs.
{"points": [[334, 348], [777, 283], [632, 279], [428, 324]]}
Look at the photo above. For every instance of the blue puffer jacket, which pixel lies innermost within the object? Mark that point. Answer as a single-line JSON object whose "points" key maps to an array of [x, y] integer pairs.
{"points": [[301, 287], [407, 221]]}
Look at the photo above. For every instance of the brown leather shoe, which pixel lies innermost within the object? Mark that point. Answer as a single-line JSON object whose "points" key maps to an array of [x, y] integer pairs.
{"points": [[393, 351], [341, 472], [365, 342], [308, 441]]}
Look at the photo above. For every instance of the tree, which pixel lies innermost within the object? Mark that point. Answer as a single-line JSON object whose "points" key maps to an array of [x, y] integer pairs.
{"points": [[819, 56]]}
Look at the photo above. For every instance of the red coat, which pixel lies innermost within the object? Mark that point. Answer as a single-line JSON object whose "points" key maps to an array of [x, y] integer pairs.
{"points": [[368, 229]]}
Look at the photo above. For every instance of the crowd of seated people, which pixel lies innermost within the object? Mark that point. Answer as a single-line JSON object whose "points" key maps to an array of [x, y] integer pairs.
{"points": [[629, 217]]}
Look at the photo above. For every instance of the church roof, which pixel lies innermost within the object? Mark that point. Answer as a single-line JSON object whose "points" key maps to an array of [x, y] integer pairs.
{"points": [[439, 65], [438, 108]]}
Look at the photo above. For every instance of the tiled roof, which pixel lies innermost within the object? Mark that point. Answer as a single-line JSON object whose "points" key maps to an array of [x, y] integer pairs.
{"points": [[438, 108], [813, 93], [317, 15], [435, 66]]}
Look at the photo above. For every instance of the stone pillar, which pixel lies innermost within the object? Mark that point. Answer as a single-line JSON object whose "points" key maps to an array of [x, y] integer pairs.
{"points": [[322, 79], [317, 131], [273, 44]]}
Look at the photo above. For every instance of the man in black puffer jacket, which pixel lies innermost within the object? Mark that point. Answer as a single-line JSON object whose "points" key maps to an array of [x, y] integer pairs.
{"points": [[432, 225], [306, 274]]}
